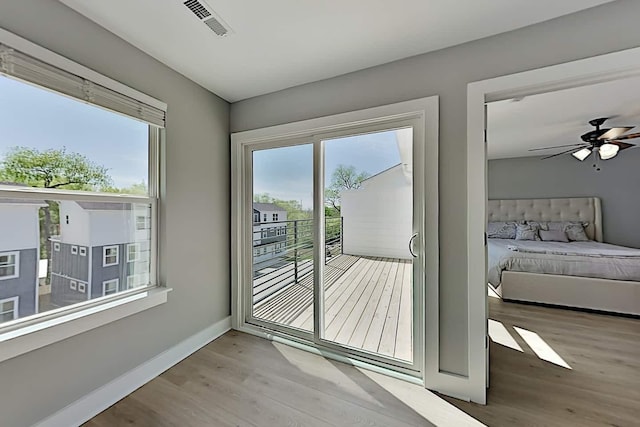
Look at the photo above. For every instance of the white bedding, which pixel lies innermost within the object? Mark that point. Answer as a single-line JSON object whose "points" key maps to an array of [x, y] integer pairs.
{"points": [[584, 259]]}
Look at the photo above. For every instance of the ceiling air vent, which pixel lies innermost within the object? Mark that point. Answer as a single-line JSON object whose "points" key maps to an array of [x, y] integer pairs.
{"points": [[206, 15]]}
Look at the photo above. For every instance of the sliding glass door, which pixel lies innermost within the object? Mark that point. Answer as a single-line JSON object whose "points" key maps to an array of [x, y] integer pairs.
{"points": [[332, 241]]}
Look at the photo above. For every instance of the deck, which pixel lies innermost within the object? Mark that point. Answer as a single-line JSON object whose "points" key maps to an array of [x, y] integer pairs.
{"points": [[368, 303]]}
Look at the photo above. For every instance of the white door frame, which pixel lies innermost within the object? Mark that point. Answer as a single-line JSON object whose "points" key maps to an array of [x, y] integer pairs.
{"points": [[582, 72], [426, 111]]}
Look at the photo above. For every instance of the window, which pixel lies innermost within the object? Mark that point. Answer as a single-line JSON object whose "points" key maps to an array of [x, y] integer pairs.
{"points": [[73, 285], [110, 287], [104, 144], [74, 250], [264, 234], [137, 280], [142, 222], [110, 256], [264, 218], [9, 265], [9, 309], [133, 252], [256, 252], [256, 217], [275, 216]]}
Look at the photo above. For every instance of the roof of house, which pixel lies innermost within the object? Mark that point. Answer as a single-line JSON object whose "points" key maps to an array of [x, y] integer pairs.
{"points": [[270, 207], [14, 201], [105, 206]]}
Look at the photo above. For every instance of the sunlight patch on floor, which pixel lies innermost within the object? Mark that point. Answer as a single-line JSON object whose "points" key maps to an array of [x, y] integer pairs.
{"points": [[317, 366], [541, 348], [431, 407], [500, 335], [492, 293]]}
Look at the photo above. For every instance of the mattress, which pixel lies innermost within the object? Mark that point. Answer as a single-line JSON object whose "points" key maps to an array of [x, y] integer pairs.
{"points": [[582, 259]]}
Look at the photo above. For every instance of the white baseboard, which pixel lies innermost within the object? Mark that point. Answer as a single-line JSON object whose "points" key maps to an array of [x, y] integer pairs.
{"points": [[100, 399]]}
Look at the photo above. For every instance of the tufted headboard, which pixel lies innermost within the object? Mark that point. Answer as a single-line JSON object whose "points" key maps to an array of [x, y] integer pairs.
{"points": [[586, 209]]}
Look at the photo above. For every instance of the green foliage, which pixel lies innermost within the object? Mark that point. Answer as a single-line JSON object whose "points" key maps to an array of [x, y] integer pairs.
{"points": [[343, 178], [53, 168], [139, 188]]}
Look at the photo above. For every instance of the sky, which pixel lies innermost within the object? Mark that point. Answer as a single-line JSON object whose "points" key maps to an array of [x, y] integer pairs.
{"points": [[287, 173], [36, 118]]}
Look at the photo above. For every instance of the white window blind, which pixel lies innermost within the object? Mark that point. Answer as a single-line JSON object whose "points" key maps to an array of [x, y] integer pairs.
{"points": [[19, 65]]}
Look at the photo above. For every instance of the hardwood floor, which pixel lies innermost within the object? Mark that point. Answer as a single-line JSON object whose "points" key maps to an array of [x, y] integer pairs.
{"points": [[602, 388], [367, 304], [241, 380]]}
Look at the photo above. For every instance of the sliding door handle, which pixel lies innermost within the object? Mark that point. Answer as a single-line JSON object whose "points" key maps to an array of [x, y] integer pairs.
{"points": [[411, 245]]}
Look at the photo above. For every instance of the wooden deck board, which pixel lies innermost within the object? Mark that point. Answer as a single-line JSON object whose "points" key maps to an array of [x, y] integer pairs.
{"points": [[364, 302]]}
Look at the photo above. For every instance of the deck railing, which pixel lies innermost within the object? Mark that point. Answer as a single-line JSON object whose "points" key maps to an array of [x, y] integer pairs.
{"points": [[284, 249]]}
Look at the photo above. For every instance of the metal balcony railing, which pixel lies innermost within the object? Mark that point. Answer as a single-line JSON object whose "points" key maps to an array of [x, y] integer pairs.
{"points": [[284, 251]]}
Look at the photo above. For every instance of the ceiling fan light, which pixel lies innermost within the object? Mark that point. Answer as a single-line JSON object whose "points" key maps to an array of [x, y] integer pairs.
{"points": [[581, 154], [608, 151]]}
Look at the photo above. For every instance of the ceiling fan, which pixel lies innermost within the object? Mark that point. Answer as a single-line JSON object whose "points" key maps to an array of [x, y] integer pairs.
{"points": [[604, 143]]}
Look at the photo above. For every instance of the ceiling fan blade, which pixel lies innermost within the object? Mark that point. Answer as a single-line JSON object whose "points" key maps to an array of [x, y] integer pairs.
{"points": [[614, 133], [557, 146], [622, 145], [558, 154], [630, 136]]}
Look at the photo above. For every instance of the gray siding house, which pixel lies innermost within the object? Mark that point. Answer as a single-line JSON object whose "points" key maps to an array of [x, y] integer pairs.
{"points": [[269, 233], [103, 248], [19, 256]]}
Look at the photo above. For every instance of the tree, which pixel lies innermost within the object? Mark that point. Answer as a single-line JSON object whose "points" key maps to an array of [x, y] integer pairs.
{"points": [[343, 178], [138, 188], [53, 168], [293, 207]]}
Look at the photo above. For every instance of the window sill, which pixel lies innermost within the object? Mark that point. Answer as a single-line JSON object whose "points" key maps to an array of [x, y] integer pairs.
{"points": [[46, 330]]}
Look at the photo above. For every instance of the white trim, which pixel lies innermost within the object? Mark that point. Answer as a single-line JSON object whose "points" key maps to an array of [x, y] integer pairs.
{"points": [[16, 264], [16, 306], [107, 283], [83, 251], [85, 408], [56, 246], [137, 252], [82, 287], [73, 285], [60, 61], [28, 335], [104, 255], [593, 70], [74, 250]]}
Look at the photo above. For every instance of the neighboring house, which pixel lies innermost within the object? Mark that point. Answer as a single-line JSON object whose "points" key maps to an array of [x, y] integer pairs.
{"points": [[269, 232], [103, 248], [377, 217], [19, 255]]}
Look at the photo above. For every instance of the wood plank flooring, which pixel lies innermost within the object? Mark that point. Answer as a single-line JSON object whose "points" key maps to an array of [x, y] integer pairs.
{"points": [[241, 380], [368, 304], [602, 388]]}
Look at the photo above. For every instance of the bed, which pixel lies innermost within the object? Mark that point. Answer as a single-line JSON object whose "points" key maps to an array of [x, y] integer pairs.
{"points": [[592, 275]]}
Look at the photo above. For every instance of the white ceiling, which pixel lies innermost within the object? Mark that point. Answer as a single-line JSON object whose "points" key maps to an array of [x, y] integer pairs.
{"points": [[283, 43], [559, 118]]}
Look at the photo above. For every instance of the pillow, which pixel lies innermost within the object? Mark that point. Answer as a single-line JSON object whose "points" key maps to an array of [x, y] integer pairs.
{"points": [[553, 236], [501, 230], [574, 229], [526, 232]]}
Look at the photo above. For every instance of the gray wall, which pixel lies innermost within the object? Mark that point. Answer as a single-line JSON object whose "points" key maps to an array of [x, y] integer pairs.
{"points": [[195, 210], [446, 73], [23, 286], [617, 184]]}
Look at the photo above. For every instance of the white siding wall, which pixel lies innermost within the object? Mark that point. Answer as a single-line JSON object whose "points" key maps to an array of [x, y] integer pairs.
{"points": [[378, 217], [20, 227], [76, 232]]}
